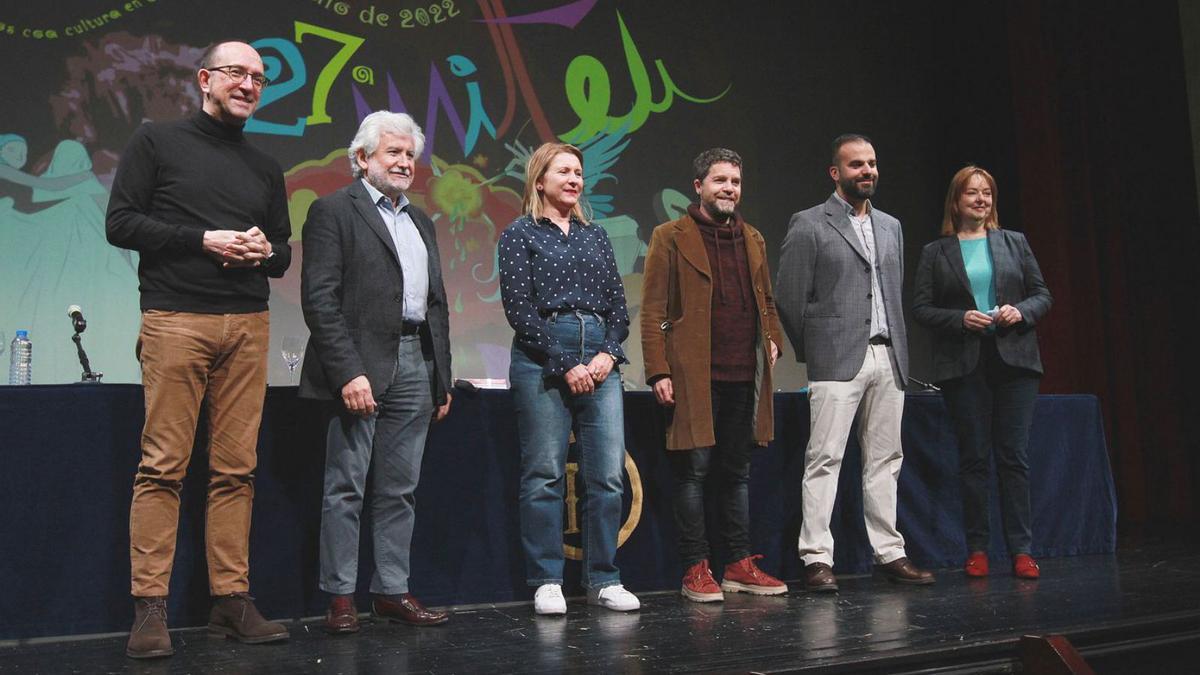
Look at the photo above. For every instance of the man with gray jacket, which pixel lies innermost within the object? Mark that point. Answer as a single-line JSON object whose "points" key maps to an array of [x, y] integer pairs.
{"points": [[840, 278]]}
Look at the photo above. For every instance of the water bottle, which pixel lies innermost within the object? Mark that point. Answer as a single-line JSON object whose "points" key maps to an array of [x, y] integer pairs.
{"points": [[20, 359]]}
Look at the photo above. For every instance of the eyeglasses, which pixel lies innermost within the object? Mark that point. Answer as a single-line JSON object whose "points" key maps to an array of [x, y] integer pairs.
{"points": [[238, 74]]}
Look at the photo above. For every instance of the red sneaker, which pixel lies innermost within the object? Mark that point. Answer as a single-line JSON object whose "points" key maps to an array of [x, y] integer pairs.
{"points": [[699, 586], [744, 576], [1025, 567], [977, 564]]}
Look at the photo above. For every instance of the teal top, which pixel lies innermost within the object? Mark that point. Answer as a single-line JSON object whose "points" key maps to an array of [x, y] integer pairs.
{"points": [[977, 257]]}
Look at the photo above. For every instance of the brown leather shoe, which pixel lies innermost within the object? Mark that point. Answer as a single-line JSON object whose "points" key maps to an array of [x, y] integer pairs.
{"points": [[236, 617], [342, 616], [902, 571], [149, 639], [818, 578], [406, 609]]}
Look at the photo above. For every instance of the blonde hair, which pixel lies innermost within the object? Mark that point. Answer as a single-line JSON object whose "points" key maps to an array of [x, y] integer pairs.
{"points": [[951, 220], [539, 162]]}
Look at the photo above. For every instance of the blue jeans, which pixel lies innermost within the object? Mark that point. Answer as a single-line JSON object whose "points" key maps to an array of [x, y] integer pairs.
{"points": [[992, 409], [546, 414]]}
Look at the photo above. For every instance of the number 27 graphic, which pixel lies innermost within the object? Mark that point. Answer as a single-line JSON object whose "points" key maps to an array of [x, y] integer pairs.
{"points": [[291, 54]]}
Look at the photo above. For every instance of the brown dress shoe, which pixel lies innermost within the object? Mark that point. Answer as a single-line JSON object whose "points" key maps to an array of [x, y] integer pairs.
{"points": [[818, 577], [902, 571], [236, 617], [149, 638], [342, 616], [406, 609]]}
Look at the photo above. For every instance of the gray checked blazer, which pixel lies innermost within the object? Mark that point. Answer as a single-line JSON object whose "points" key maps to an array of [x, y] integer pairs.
{"points": [[942, 294], [824, 290]]}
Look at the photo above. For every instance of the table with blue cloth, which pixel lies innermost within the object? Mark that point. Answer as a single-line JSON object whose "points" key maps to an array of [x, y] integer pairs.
{"points": [[68, 454]]}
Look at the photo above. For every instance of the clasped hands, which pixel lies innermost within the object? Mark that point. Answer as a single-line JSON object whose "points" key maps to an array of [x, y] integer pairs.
{"points": [[236, 249], [584, 378], [978, 321]]}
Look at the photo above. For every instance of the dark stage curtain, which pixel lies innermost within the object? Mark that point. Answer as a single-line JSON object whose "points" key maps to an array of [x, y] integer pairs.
{"points": [[1108, 201]]}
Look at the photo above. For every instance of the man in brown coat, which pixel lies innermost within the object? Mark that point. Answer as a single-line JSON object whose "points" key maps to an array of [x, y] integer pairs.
{"points": [[710, 337]]}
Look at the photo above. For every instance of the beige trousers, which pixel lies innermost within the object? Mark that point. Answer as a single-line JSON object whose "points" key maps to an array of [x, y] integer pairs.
{"points": [[876, 395]]}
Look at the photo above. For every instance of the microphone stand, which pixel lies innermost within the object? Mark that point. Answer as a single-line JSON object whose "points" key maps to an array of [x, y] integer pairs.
{"points": [[88, 376]]}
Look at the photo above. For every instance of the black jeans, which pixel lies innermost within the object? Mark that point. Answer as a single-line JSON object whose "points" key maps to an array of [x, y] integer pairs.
{"points": [[726, 468], [992, 408]]}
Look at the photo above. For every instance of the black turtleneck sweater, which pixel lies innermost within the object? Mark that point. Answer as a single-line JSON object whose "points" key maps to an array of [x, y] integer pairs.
{"points": [[175, 181]]}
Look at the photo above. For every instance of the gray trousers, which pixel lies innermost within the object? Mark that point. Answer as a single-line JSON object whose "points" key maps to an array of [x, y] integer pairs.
{"points": [[388, 446]]}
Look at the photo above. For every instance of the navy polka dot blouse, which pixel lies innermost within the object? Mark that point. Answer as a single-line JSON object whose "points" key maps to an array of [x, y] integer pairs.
{"points": [[543, 270]]}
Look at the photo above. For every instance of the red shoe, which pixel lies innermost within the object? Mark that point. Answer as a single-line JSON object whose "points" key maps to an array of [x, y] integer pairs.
{"points": [[699, 586], [744, 576], [1025, 567], [977, 564]]}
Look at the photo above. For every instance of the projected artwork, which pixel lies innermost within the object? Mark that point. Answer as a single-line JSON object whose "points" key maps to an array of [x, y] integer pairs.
{"points": [[487, 83]]}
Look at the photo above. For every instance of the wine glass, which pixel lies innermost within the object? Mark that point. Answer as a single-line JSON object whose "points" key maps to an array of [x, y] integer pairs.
{"points": [[292, 351]]}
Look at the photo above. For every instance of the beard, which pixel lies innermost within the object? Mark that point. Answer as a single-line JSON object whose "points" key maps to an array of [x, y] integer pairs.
{"points": [[388, 184], [854, 189], [719, 211]]}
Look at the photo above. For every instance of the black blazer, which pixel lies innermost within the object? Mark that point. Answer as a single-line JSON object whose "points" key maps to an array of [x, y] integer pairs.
{"points": [[943, 295], [352, 293]]}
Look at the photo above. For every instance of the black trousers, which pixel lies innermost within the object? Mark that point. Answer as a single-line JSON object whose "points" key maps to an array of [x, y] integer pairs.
{"points": [[717, 476], [992, 408]]}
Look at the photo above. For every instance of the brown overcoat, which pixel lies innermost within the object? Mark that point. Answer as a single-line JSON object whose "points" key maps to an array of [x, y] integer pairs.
{"points": [[677, 329]]}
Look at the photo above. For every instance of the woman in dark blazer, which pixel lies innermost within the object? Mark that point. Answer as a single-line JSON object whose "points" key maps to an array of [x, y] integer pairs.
{"points": [[980, 291]]}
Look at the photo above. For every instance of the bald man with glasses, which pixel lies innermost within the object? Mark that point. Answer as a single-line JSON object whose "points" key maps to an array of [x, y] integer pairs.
{"points": [[208, 214]]}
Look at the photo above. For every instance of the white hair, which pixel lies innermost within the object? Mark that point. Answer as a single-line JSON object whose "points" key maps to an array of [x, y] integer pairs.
{"points": [[374, 125]]}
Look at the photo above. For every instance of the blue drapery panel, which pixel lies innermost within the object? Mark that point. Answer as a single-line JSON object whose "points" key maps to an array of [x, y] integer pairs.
{"points": [[68, 455]]}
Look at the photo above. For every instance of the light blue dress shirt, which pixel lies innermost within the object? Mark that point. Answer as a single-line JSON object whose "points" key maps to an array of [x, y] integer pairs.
{"points": [[410, 252]]}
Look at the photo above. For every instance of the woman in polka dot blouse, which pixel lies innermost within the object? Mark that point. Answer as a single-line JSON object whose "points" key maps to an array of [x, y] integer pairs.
{"points": [[563, 297]]}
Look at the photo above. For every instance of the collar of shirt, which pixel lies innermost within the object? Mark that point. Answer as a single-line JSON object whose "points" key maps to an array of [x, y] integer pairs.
{"points": [[376, 195], [573, 219], [850, 209], [861, 226]]}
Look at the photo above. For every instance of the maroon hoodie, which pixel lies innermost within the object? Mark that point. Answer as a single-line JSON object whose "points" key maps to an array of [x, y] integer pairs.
{"points": [[734, 319]]}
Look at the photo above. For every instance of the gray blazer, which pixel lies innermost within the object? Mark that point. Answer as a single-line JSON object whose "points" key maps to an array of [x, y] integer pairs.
{"points": [[352, 293], [943, 295], [824, 290]]}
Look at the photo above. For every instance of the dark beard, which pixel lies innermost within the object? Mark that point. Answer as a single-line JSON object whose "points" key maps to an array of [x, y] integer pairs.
{"points": [[852, 189], [716, 213]]}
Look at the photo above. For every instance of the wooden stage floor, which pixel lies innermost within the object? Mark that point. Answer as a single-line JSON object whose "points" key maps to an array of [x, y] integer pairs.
{"points": [[1109, 606]]}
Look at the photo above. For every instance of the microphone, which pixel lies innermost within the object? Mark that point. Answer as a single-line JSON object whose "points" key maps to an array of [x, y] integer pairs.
{"points": [[80, 325], [924, 385], [77, 320]]}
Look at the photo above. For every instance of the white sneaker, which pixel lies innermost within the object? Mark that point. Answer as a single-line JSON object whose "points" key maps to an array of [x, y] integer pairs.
{"points": [[548, 599], [615, 598]]}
